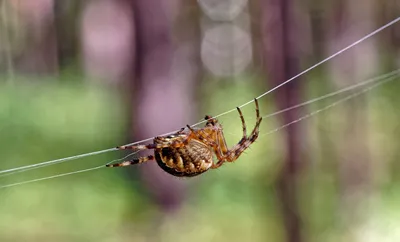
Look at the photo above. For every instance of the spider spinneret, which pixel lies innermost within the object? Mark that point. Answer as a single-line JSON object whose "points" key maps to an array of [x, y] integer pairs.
{"points": [[188, 153]]}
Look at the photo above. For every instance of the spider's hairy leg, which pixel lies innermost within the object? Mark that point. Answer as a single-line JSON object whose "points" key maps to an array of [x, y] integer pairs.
{"points": [[234, 153], [149, 146], [132, 162], [201, 135], [243, 123], [243, 144], [222, 152], [256, 130], [136, 147]]}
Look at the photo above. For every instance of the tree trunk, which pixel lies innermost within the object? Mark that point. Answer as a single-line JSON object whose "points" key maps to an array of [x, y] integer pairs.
{"points": [[281, 53], [39, 54], [108, 51], [351, 21], [66, 23]]}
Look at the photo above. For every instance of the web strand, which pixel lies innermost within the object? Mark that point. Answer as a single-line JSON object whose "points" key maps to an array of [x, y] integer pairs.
{"points": [[68, 173], [51, 177], [52, 162], [381, 79], [309, 115]]}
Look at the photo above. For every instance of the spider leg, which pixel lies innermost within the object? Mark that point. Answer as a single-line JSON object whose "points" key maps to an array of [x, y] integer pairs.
{"points": [[181, 131], [222, 152], [201, 135], [160, 145], [132, 162], [220, 149], [243, 122], [137, 147], [151, 146], [256, 130], [245, 142]]}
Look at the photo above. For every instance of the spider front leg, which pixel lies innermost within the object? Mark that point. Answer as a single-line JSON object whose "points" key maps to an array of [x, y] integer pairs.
{"points": [[221, 150], [224, 154], [245, 142]]}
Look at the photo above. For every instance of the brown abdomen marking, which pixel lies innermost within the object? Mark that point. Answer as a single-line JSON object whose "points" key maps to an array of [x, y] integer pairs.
{"points": [[190, 160]]}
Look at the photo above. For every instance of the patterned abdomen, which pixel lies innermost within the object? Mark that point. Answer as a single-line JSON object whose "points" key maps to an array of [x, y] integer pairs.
{"points": [[189, 160]]}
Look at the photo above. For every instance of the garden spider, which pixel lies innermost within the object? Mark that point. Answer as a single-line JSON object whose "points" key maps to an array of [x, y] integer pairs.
{"points": [[190, 153]]}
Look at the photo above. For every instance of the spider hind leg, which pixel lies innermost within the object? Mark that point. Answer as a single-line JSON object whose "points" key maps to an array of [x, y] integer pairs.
{"points": [[132, 162], [137, 147]]}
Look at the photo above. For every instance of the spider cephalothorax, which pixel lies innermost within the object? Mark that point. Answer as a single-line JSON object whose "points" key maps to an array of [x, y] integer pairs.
{"points": [[190, 152]]}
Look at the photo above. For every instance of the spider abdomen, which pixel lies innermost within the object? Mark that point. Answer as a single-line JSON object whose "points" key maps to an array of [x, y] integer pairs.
{"points": [[190, 160]]}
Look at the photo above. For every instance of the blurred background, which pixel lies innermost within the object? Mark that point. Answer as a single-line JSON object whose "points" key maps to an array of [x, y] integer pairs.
{"points": [[81, 76]]}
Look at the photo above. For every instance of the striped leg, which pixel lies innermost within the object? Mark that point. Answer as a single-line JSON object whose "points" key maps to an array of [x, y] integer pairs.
{"points": [[245, 142], [151, 146], [137, 147], [133, 162], [201, 135], [242, 145], [243, 122], [222, 151]]}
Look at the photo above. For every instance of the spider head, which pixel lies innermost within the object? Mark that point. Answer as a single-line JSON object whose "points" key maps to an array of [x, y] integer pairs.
{"points": [[210, 120]]}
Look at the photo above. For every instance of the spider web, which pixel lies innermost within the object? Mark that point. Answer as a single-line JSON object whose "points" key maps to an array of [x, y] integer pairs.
{"points": [[379, 80]]}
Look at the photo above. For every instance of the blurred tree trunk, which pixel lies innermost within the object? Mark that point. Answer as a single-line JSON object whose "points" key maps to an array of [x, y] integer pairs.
{"points": [[108, 40], [66, 22], [164, 90], [280, 31], [39, 55], [349, 22], [387, 11], [317, 18]]}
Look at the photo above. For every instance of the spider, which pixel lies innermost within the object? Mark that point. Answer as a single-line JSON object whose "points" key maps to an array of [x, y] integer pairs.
{"points": [[190, 153]]}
